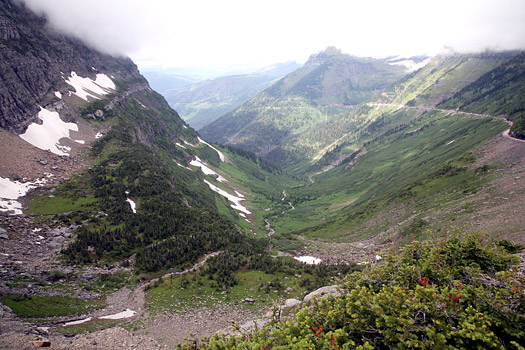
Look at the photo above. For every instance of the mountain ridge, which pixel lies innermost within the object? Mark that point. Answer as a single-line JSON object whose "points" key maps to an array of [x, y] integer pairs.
{"points": [[270, 122], [203, 102], [127, 208]]}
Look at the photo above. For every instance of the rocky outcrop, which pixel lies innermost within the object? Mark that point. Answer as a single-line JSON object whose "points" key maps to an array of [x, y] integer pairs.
{"points": [[333, 291], [35, 59]]}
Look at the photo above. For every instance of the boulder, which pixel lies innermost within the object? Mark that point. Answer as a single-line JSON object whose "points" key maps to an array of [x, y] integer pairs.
{"points": [[41, 343], [323, 292], [290, 303]]}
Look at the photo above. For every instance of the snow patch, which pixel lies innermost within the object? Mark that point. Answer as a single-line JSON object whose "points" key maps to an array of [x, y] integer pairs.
{"points": [[189, 144], [182, 166], [58, 94], [234, 199], [10, 191], [132, 205], [124, 314], [72, 323], [448, 143], [221, 156], [80, 141], [98, 135], [181, 146], [47, 135], [85, 87], [198, 163], [310, 260]]}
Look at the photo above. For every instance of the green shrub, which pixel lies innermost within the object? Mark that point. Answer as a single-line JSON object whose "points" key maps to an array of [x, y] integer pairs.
{"points": [[456, 293]]}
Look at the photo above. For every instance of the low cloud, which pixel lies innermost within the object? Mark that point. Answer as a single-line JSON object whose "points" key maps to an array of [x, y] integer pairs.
{"points": [[112, 27], [210, 33]]}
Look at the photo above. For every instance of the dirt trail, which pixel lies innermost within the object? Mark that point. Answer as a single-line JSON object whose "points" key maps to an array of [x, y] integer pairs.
{"points": [[451, 111], [135, 298]]}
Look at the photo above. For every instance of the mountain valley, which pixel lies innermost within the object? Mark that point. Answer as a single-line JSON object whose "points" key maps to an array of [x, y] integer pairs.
{"points": [[352, 181]]}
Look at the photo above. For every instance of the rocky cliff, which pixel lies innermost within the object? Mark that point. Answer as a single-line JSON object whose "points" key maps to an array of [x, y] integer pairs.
{"points": [[35, 60]]}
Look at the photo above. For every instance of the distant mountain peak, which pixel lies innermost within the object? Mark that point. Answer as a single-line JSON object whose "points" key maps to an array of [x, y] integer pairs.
{"points": [[322, 57]]}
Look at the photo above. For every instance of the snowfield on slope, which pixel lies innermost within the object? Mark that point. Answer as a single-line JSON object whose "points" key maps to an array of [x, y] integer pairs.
{"points": [[86, 87], [310, 260], [221, 155], [47, 135], [124, 314], [10, 191], [199, 163], [234, 199]]}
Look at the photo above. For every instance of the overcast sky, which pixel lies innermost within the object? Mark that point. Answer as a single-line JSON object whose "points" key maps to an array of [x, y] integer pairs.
{"points": [[216, 34]]}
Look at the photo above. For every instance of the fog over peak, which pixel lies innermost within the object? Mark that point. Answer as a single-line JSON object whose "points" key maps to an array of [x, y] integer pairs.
{"points": [[108, 26], [213, 34]]}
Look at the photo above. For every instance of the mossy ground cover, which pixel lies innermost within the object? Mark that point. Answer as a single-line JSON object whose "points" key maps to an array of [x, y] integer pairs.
{"points": [[197, 291], [46, 306], [401, 165]]}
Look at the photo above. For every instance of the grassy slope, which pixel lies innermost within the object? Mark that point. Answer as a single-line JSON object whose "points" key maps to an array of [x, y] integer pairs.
{"points": [[396, 159], [497, 92], [283, 122]]}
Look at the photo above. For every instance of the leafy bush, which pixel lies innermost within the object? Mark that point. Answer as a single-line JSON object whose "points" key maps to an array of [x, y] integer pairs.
{"points": [[457, 293]]}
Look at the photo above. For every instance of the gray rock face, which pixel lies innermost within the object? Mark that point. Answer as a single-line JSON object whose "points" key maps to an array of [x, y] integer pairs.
{"points": [[290, 303], [323, 292], [34, 60]]}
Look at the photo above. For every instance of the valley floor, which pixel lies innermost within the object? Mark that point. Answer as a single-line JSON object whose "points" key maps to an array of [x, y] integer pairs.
{"points": [[497, 208]]}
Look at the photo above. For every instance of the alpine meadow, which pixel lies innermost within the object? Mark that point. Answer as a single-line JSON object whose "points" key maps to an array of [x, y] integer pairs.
{"points": [[348, 202]]}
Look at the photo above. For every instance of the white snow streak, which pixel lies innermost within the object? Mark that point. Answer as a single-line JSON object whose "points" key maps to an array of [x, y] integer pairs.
{"points": [[124, 314], [132, 205], [198, 163], [221, 156], [182, 166], [310, 260], [181, 146], [236, 200], [72, 323], [85, 87], [58, 94], [10, 191], [47, 135]]}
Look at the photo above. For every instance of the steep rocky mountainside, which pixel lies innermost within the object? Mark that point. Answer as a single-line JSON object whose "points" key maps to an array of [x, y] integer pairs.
{"points": [[34, 63], [115, 213], [103, 188]]}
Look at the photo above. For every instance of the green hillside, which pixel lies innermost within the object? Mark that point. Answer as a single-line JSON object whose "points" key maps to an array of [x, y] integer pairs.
{"points": [[456, 293], [203, 102], [399, 164], [500, 91], [280, 122]]}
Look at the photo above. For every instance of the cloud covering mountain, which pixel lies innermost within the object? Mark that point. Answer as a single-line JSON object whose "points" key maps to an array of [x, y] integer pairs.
{"points": [[231, 32]]}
